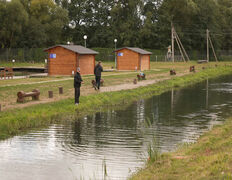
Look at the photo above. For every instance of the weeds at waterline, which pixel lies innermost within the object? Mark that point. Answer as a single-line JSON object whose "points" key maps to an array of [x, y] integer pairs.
{"points": [[153, 147], [208, 158]]}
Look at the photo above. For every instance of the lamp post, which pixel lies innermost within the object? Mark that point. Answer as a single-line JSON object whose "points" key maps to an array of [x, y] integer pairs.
{"points": [[13, 61], [46, 65], [85, 37], [115, 53], [68, 43]]}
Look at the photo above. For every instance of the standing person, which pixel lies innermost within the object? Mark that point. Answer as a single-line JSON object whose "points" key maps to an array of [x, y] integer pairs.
{"points": [[97, 72], [77, 84]]}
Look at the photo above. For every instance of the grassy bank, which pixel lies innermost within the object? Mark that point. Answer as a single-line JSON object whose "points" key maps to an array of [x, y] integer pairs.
{"points": [[209, 158], [21, 64], [15, 121], [9, 88]]}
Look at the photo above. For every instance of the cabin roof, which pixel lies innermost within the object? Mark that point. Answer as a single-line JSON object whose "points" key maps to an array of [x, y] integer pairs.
{"points": [[75, 48], [138, 50]]}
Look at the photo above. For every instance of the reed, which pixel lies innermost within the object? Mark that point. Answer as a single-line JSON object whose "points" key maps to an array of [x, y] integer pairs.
{"points": [[208, 158]]}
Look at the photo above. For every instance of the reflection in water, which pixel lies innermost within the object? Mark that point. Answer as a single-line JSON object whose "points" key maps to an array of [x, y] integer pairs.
{"points": [[117, 139], [207, 93]]}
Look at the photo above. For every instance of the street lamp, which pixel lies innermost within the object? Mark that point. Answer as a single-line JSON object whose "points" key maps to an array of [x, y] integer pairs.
{"points": [[13, 61], [68, 43], [85, 37], [115, 55]]}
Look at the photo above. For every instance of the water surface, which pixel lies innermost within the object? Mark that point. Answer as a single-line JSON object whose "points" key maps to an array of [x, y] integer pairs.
{"points": [[116, 141]]}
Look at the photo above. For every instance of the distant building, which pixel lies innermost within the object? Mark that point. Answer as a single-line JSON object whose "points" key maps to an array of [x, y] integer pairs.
{"points": [[129, 58], [64, 59]]}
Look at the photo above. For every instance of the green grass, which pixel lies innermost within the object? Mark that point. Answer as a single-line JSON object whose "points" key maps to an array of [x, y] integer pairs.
{"points": [[9, 88], [15, 121], [21, 64], [209, 158]]}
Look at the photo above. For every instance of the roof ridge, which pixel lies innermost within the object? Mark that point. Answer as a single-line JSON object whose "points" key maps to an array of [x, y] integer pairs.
{"points": [[75, 48], [136, 49]]}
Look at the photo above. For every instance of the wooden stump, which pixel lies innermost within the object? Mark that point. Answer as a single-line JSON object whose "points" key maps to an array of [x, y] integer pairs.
{"points": [[172, 72], [135, 81], [192, 69], [50, 94], [61, 90]]}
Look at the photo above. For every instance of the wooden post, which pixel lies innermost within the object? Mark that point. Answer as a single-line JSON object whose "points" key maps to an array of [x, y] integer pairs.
{"points": [[213, 49], [173, 49], [207, 36], [179, 47], [50, 94], [178, 39], [135, 81], [60, 90]]}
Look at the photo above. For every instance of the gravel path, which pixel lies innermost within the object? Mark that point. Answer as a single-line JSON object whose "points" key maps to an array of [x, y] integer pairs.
{"points": [[139, 84]]}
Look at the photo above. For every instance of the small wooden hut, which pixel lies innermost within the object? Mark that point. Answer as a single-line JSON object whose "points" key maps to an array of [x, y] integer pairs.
{"points": [[64, 59], [129, 58]]}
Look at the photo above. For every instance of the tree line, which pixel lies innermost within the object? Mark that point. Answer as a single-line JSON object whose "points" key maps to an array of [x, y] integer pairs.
{"points": [[138, 23]]}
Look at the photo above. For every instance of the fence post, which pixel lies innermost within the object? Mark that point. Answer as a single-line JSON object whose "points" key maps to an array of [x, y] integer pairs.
{"points": [[50, 94], [60, 90]]}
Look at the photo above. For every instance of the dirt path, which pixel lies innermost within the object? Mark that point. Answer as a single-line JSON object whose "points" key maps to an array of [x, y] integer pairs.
{"points": [[139, 84], [58, 80], [88, 91]]}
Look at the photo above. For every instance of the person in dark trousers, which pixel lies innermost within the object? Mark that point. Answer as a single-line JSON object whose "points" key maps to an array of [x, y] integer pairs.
{"points": [[77, 84], [97, 72]]}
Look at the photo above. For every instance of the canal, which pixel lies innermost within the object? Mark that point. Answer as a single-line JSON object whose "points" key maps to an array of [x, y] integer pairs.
{"points": [[114, 144]]}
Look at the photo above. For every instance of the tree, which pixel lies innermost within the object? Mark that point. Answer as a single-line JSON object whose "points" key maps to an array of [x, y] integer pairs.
{"points": [[225, 9], [126, 21], [50, 18], [13, 17], [207, 17], [148, 33]]}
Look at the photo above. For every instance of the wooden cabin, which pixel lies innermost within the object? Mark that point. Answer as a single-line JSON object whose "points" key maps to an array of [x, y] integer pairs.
{"points": [[129, 58], [64, 59]]}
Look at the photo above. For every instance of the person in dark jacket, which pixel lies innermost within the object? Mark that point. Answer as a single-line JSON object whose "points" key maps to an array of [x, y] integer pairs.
{"points": [[97, 72], [77, 84]]}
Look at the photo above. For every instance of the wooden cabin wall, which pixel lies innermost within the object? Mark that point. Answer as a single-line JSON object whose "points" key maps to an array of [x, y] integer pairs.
{"points": [[87, 63], [129, 60], [64, 63], [145, 62]]}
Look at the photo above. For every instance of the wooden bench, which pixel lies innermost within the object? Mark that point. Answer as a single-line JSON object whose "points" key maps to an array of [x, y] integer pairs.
{"points": [[192, 69], [172, 72], [7, 73], [34, 94], [201, 61], [141, 77]]}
